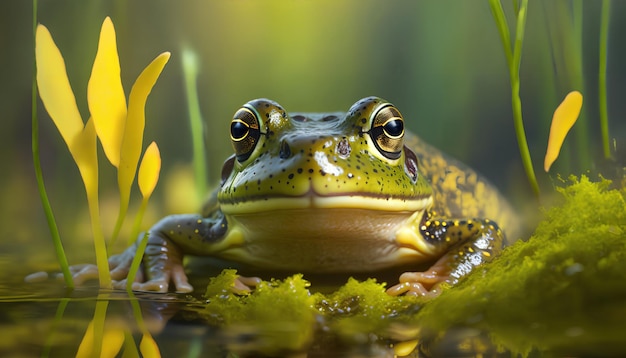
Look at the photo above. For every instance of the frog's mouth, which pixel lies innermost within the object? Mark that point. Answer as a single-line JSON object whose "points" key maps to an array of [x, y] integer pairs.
{"points": [[312, 200]]}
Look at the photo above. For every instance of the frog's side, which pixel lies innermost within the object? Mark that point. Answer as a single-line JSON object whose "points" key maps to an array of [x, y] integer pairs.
{"points": [[339, 192]]}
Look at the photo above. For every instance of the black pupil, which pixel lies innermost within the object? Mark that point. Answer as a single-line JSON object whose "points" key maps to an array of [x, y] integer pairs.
{"points": [[394, 128], [238, 130]]}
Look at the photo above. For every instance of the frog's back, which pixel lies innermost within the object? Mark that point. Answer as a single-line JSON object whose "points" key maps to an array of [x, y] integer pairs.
{"points": [[461, 192]]}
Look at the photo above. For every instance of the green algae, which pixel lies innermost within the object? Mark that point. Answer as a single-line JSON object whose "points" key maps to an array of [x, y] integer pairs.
{"points": [[562, 291]]}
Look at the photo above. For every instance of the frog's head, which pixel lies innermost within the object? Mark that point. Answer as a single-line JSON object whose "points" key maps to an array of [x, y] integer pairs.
{"points": [[353, 160]]}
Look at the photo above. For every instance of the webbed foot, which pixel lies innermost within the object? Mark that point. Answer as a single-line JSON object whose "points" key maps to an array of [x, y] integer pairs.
{"points": [[423, 283]]}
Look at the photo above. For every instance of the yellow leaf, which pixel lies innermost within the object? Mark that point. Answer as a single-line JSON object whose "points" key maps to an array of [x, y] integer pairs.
{"points": [[564, 118], [86, 345], [135, 123], [83, 150], [148, 347], [105, 94], [112, 341], [54, 87], [149, 170]]}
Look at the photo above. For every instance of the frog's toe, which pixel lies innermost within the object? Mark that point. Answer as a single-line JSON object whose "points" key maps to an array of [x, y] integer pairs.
{"points": [[179, 278], [420, 283], [243, 284], [148, 286], [407, 288], [82, 273]]}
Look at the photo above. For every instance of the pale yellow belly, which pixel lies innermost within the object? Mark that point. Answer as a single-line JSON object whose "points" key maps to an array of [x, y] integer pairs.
{"points": [[321, 240]]}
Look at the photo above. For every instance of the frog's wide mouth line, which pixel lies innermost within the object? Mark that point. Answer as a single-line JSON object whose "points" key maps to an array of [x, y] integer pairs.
{"points": [[344, 201]]}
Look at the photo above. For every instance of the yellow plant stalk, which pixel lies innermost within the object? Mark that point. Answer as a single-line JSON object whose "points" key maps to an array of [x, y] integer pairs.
{"points": [[133, 134], [563, 120], [148, 178], [120, 129], [58, 98]]}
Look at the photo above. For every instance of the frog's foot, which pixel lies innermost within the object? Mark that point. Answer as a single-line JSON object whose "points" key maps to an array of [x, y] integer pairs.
{"points": [[423, 283], [162, 265]]}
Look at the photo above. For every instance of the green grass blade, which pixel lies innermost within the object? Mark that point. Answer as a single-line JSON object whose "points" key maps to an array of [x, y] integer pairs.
{"points": [[513, 59], [52, 225], [190, 69], [604, 37], [58, 316], [134, 266]]}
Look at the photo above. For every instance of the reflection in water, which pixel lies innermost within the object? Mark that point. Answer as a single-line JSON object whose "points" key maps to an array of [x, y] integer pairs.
{"points": [[45, 320]]}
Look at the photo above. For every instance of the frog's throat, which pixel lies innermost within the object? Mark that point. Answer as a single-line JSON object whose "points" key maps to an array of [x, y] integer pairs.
{"points": [[387, 204]]}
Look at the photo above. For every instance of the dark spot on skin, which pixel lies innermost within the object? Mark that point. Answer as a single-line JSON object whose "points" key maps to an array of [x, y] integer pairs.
{"points": [[290, 176], [299, 170], [311, 171]]}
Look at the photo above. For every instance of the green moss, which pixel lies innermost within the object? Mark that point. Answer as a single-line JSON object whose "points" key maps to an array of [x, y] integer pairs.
{"points": [[280, 315], [562, 291], [360, 309]]}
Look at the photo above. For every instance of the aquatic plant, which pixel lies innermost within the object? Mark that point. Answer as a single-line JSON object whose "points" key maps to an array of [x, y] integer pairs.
{"points": [[567, 113], [45, 202], [604, 38], [513, 56], [106, 340], [564, 118], [119, 128], [190, 70], [285, 312]]}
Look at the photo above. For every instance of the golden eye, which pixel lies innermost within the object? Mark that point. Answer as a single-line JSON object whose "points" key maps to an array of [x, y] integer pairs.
{"points": [[387, 131], [244, 133]]}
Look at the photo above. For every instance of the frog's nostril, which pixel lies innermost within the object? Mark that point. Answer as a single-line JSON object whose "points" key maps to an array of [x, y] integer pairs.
{"points": [[285, 151], [343, 148]]}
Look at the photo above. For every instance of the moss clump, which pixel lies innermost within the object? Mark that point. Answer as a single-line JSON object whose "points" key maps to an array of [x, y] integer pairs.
{"points": [[360, 309], [280, 315], [283, 315], [563, 291]]}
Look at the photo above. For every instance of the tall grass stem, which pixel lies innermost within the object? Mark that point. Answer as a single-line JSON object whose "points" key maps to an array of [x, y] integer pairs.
{"points": [[47, 208], [190, 70], [604, 117], [513, 56]]}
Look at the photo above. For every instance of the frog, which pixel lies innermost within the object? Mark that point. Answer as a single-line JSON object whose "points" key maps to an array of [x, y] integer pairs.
{"points": [[336, 192]]}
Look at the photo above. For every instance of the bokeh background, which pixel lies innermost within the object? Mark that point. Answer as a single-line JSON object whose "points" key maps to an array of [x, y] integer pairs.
{"points": [[440, 62]]}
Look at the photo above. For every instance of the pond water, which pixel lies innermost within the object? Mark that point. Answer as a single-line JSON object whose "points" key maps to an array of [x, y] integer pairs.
{"points": [[47, 320]]}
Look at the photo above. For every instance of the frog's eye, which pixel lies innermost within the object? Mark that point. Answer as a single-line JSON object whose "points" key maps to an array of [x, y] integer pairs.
{"points": [[244, 133], [387, 131]]}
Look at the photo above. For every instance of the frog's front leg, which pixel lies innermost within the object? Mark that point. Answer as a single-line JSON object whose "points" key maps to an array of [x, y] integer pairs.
{"points": [[168, 241], [466, 243]]}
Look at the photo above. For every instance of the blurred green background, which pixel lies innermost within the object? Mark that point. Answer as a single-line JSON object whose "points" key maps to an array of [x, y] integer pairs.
{"points": [[440, 62]]}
